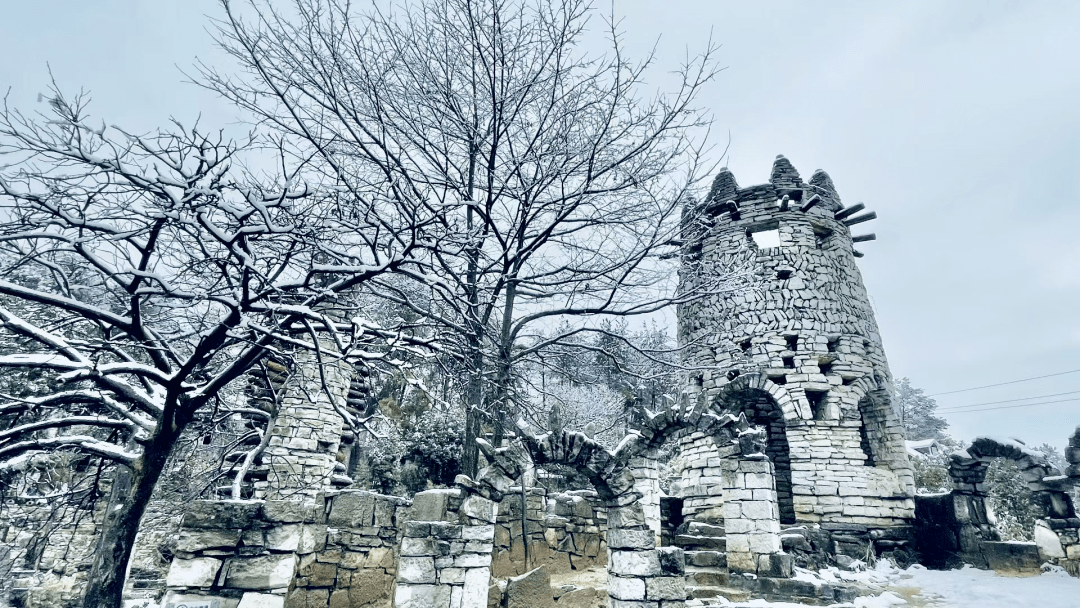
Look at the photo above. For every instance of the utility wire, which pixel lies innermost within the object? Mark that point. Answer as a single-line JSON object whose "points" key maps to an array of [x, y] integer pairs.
{"points": [[975, 388], [961, 407], [1009, 407]]}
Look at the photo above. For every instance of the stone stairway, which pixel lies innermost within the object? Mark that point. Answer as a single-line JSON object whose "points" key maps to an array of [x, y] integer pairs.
{"points": [[707, 577]]}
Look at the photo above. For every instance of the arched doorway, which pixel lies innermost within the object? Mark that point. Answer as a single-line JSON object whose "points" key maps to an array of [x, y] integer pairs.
{"points": [[761, 410]]}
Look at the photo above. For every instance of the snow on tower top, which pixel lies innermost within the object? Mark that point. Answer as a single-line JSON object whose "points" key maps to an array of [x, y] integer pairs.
{"points": [[724, 187], [822, 185], [784, 174]]}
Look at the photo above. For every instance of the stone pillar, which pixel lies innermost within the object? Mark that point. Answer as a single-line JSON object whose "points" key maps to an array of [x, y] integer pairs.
{"points": [[752, 518], [302, 454], [445, 555], [647, 481], [639, 574]]}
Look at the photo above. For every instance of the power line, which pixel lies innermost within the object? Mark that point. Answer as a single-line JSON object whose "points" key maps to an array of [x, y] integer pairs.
{"points": [[975, 388], [960, 407], [1009, 407]]}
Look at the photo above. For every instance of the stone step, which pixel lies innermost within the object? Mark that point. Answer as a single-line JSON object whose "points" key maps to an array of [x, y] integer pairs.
{"points": [[688, 542], [699, 577], [696, 528], [709, 592], [706, 559]]}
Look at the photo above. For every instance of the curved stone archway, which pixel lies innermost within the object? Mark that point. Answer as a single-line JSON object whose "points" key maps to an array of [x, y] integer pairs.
{"points": [[968, 468], [639, 571], [755, 398]]}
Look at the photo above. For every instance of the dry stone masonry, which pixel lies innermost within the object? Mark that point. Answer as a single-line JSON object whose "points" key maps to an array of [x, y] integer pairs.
{"points": [[800, 357]]}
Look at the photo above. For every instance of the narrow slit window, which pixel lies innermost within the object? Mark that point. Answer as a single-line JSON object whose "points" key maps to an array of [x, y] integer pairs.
{"points": [[833, 344], [792, 343], [789, 362], [817, 403]]}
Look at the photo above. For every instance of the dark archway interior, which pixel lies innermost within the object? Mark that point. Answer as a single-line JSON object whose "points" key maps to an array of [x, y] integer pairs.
{"points": [[873, 432], [762, 410]]}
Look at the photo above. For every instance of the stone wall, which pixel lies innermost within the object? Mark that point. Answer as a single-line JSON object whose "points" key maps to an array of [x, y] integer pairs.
{"points": [[564, 531], [960, 526], [337, 552], [47, 551]]}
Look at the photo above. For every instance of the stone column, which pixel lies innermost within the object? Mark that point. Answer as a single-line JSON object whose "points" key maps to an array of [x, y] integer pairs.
{"points": [[639, 574], [303, 447], [647, 481], [752, 518], [445, 555]]}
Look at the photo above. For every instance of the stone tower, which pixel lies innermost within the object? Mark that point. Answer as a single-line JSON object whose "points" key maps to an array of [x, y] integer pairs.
{"points": [[800, 355]]}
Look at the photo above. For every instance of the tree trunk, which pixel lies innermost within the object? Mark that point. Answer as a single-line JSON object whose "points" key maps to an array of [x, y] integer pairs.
{"points": [[474, 398], [105, 587]]}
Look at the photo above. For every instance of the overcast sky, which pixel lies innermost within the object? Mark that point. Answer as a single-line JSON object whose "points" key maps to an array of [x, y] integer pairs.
{"points": [[958, 122]]}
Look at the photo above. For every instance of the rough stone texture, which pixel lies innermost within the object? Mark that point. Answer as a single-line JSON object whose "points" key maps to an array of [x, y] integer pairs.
{"points": [[961, 525], [289, 547], [564, 531], [446, 559], [530, 590], [802, 358]]}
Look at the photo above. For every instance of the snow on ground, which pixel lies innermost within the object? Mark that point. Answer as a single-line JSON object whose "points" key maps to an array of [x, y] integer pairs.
{"points": [[917, 587]]}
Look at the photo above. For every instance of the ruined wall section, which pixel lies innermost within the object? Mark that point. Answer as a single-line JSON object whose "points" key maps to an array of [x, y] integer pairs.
{"points": [[563, 530], [807, 337]]}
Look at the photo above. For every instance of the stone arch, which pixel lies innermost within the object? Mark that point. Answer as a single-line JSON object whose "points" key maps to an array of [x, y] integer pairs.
{"points": [[790, 406], [636, 566], [756, 398], [968, 468], [881, 436]]}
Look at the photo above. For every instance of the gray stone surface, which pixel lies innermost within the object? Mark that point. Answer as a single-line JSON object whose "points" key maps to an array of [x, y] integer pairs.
{"points": [[530, 590]]}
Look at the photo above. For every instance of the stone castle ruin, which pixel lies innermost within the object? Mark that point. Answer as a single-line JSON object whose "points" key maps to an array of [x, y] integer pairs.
{"points": [[788, 453], [801, 357]]}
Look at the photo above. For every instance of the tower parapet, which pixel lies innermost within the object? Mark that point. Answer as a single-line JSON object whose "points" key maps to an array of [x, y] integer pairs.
{"points": [[801, 354]]}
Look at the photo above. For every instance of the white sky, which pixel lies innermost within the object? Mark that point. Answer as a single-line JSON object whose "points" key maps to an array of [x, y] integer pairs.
{"points": [[957, 122]]}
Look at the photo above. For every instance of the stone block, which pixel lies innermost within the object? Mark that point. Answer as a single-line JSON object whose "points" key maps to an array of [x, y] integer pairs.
{"points": [[191, 541], [370, 588], [262, 572], [626, 588], [530, 590], [291, 511], [283, 538], [416, 570], [672, 561], [222, 514], [1048, 542], [424, 546], [173, 599], [665, 588], [485, 533], [352, 510], [634, 563], [480, 508], [261, 600], [622, 538], [197, 572], [422, 596], [475, 589], [431, 505]]}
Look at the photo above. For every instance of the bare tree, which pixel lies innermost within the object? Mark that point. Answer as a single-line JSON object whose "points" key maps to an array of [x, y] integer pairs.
{"points": [[559, 180], [164, 274]]}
